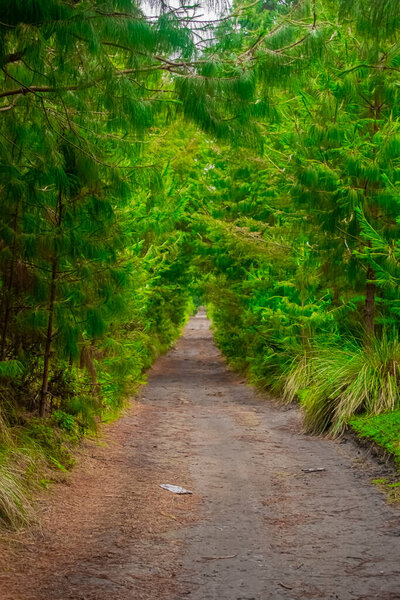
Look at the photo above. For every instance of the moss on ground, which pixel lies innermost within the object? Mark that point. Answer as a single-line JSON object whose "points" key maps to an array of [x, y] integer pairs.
{"points": [[382, 429]]}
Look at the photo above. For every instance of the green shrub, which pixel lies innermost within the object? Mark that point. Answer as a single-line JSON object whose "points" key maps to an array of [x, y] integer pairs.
{"points": [[65, 421], [53, 443]]}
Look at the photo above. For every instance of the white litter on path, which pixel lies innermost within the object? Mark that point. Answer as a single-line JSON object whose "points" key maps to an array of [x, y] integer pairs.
{"points": [[316, 470], [175, 489]]}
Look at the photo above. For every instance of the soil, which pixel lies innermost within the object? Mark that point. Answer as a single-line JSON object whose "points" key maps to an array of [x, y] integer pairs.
{"points": [[257, 526]]}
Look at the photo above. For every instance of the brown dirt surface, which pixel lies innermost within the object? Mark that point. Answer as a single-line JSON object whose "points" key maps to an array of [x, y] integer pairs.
{"points": [[257, 527]]}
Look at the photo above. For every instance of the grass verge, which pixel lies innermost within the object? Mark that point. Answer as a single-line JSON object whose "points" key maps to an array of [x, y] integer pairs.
{"points": [[383, 430]]}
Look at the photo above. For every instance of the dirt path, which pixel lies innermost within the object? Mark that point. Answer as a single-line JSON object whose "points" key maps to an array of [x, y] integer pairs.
{"points": [[257, 527]]}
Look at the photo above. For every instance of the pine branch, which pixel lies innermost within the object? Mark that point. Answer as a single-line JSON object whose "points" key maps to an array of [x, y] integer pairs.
{"points": [[34, 89], [269, 34], [366, 66]]}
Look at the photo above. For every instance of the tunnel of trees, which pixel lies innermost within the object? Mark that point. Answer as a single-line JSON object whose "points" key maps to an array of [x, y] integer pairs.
{"points": [[155, 160]]}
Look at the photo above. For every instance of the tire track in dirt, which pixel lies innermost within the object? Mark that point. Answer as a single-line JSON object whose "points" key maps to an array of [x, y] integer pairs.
{"points": [[257, 527]]}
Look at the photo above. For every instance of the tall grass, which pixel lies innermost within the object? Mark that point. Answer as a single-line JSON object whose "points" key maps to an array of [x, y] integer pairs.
{"points": [[31, 456], [336, 383], [15, 506], [15, 497]]}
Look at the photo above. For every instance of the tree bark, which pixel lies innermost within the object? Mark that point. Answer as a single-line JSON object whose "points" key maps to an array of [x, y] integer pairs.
{"points": [[49, 336], [7, 292], [49, 333], [369, 307]]}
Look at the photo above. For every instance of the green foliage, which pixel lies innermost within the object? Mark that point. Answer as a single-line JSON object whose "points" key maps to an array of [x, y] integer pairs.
{"points": [[92, 263], [65, 421], [91, 254], [10, 368], [390, 488], [51, 442]]}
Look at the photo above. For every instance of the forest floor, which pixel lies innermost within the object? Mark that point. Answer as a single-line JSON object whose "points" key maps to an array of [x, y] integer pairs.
{"points": [[257, 526]]}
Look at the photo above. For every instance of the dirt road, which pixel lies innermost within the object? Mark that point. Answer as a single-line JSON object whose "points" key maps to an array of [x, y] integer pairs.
{"points": [[257, 526]]}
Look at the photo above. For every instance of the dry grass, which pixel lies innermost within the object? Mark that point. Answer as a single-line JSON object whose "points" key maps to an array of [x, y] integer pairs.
{"points": [[15, 504]]}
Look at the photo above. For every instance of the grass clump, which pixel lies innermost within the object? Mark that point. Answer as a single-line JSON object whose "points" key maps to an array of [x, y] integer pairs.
{"points": [[32, 455], [337, 383], [15, 503], [390, 488]]}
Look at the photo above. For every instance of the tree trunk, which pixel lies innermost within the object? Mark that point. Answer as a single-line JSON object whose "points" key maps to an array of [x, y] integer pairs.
{"points": [[7, 292], [369, 307], [49, 335], [5, 320], [87, 361]]}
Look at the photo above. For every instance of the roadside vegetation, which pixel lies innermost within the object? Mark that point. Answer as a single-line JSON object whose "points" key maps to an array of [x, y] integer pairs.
{"points": [[252, 164]]}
